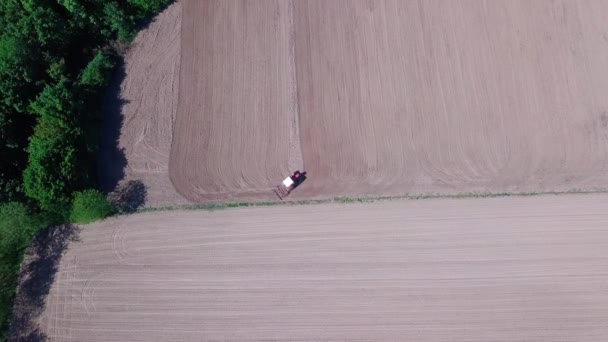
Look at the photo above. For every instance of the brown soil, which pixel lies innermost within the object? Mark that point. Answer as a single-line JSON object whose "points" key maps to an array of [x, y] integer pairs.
{"points": [[234, 134], [144, 112], [452, 96], [504, 269], [392, 97]]}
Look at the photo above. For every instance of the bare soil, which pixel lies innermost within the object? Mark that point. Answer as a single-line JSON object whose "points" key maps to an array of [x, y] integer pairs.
{"points": [[234, 132], [391, 97], [452, 96], [142, 110], [222, 99], [503, 269]]}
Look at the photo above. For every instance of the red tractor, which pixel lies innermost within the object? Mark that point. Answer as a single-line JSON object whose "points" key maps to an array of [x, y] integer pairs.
{"points": [[289, 184]]}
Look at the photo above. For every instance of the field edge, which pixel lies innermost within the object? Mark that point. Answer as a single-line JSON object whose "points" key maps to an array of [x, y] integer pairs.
{"points": [[365, 199]]}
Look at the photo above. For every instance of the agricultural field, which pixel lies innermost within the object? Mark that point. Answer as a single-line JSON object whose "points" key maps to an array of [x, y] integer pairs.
{"points": [[140, 112], [218, 101], [237, 98], [452, 96], [503, 269], [371, 98]]}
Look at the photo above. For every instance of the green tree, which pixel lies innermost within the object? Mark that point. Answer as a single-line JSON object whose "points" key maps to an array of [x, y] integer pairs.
{"points": [[57, 103], [35, 21], [90, 205], [97, 72], [54, 170], [17, 72], [149, 6], [120, 22], [17, 226], [57, 69], [45, 18]]}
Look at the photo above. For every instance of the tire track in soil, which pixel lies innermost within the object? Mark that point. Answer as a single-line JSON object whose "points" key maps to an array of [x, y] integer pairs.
{"points": [[296, 161]]}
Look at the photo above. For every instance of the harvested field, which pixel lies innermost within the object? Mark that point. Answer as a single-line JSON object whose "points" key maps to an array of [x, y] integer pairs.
{"points": [[391, 97], [503, 269]]}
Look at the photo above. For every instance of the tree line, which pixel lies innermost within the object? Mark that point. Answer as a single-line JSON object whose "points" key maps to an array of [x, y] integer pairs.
{"points": [[56, 57]]}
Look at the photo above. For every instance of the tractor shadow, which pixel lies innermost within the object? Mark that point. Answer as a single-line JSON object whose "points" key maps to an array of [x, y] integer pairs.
{"points": [[38, 270]]}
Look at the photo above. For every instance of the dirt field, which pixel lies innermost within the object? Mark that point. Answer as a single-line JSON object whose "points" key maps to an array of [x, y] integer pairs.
{"points": [[505, 269], [220, 99], [234, 133], [451, 96], [392, 97], [141, 111]]}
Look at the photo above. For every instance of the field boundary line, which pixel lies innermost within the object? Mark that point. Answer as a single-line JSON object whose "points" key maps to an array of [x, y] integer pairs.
{"points": [[366, 199]]}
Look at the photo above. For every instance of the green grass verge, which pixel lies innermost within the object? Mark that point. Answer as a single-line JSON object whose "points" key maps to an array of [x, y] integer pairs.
{"points": [[367, 199]]}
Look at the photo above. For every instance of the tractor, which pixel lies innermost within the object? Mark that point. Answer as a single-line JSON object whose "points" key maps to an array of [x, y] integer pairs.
{"points": [[288, 184]]}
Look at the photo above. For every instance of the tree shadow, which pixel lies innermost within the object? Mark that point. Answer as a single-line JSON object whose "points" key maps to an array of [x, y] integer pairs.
{"points": [[111, 159], [129, 196], [37, 276]]}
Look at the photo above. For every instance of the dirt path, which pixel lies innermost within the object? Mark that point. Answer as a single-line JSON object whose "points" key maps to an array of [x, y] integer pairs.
{"points": [[504, 269], [296, 161]]}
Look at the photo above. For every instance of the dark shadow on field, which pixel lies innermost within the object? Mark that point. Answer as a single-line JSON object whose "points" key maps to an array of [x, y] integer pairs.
{"points": [[111, 160], [38, 271], [300, 181], [129, 196]]}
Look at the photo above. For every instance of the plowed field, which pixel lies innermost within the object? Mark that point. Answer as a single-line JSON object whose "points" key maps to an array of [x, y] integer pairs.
{"points": [[505, 269], [237, 99], [391, 97]]}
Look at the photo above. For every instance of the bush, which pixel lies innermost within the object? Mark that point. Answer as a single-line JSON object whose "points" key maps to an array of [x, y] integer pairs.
{"points": [[55, 165], [90, 205], [17, 227], [53, 173]]}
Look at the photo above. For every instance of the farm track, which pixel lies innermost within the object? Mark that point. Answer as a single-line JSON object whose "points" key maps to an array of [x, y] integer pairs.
{"points": [[503, 269]]}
